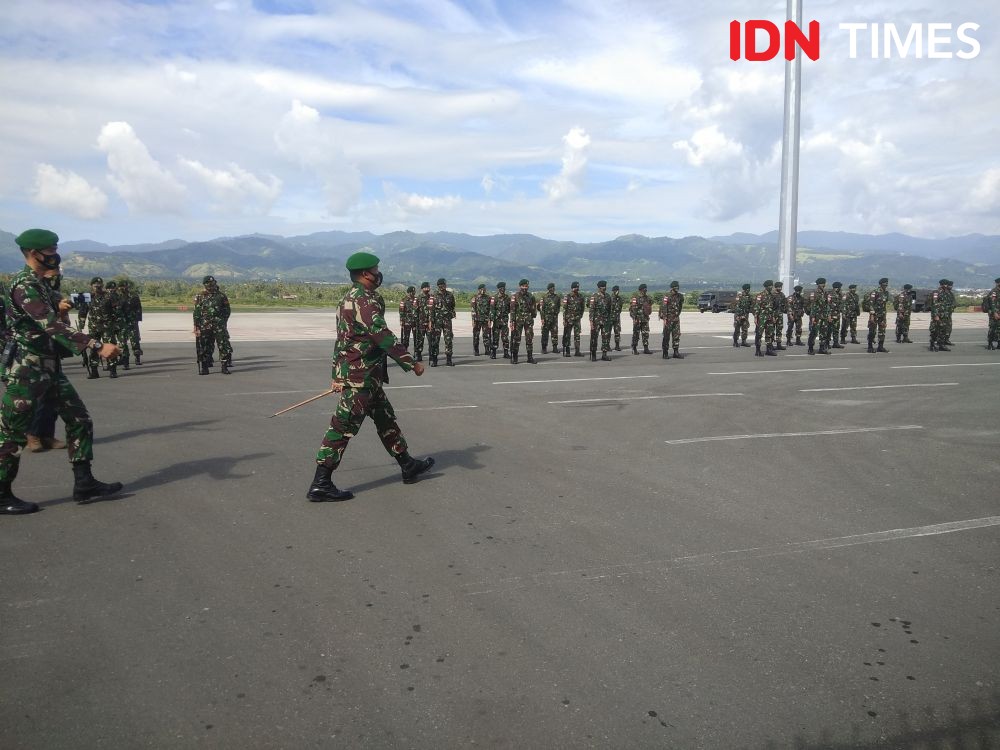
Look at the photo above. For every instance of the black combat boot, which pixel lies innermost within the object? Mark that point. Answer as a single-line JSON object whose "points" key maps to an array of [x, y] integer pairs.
{"points": [[137, 355], [433, 360], [513, 356], [757, 352], [666, 353], [677, 354], [413, 467], [10, 504], [92, 372], [645, 349], [113, 371], [566, 350], [906, 339], [635, 349], [798, 341], [475, 348], [506, 354], [942, 348], [810, 350], [843, 338], [418, 356], [743, 342], [898, 338], [447, 361], [605, 357], [225, 367], [86, 488], [323, 489], [777, 345], [493, 353], [203, 369], [125, 363], [854, 339], [577, 352], [618, 347], [531, 360], [593, 355], [788, 340], [871, 343], [881, 345], [545, 349], [836, 344], [736, 340], [989, 345], [770, 352]]}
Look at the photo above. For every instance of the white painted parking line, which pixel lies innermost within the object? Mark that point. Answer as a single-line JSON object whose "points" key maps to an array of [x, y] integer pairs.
{"points": [[572, 380], [643, 398], [439, 408], [876, 387], [764, 372], [953, 364], [606, 572], [846, 431], [313, 390]]}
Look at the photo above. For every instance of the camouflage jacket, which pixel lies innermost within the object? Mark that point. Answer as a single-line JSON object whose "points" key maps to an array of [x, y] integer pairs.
{"points": [[818, 304], [499, 307], [211, 310], [796, 304], [480, 307], [617, 303], [852, 304], [443, 307], [902, 303], [424, 310], [523, 307], [937, 304], [743, 304], [550, 305], [763, 304], [640, 307], [363, 341], [949, 297], [780, 303], [99, 315], [670, 306], [573, 305], [599, 306], [409, 311], [34, 324], [836, 299], [876, 301], [991, 304]]}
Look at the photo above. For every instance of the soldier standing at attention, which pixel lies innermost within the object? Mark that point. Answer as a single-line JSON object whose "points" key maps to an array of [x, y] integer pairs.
{"points": [[131, 311], [32, 369], [796, 307], [902, 303], [640, 308], [852, 309], [780, 308], [481, 320], [670, 314], [573, 305], [549, 307], [617, 302], [950, 302], [818, 307], [120, 306], [938, 304], [764, 320], [99, 317], [741, 317], [211, 319], [423, 324], [408, 315], [599, 306], [875, 305], [499, 319], [363, 341], [991, 306], [836, 298], [523, 307], [443, 306]]}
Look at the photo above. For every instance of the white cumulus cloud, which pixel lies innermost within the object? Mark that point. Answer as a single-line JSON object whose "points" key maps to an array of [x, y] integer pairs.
{"points": [[67, 191], [235, 189], [709, 145], [142, 182], [570, 179]]}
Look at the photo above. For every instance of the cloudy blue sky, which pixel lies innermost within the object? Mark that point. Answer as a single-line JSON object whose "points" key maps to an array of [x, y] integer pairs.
{"points": [[141, 121]]}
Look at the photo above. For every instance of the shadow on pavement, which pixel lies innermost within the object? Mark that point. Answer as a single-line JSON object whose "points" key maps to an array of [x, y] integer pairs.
{"points": [[155, 430]]}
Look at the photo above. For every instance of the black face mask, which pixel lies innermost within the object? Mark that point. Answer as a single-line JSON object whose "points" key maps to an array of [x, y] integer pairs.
{"points": [[50, 262]]}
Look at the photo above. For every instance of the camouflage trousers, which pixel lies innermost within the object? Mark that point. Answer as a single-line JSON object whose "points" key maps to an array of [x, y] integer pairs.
{"points": [[484, 328], [763, 331], [355, 404], [604, 331], [212, 337], [940, 329], [640, 328], [418, 339], [946, 326], [671, 331], [876, 321], [616, 329], [122, 336], [849, 323], [778, 321], [101, 333], [18, 408], [404, 335], [794, 326], [571, 326], [818, 329], [902, 326], [129, 336], [435, 339], [741, 326], [550, 328], [833, 329], [993, 334], [500, 334], [528, 330]]}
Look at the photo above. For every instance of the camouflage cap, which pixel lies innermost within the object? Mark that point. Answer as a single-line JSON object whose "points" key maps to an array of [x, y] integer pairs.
{"points": [[820, 280], [746, 287], [675, 285], [907, 287], [208, 280], [575, 285], [602, 284], [615, 288], [361, 261], [883, 280], [837, 284], [481, 286], [37, 239], [768, 284], [442, 282], [96, 280], [425, 285], [411, 289], [798, 287], [523, 282], [551, 285], [643, 287]]}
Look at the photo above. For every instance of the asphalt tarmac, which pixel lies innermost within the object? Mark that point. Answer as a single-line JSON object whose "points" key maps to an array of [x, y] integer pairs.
{"points": [[718, 552]]}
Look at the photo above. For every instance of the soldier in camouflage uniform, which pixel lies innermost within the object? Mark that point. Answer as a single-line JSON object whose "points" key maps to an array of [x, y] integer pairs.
{"points": [[32, 369], [423, 325], [442, 305], [946, 322], [523, 307], [818, 309], [741, 316], [549, 307], [940, 312], [875, 305], [836, 298], [99, 317], [852, 309], [991, 306], [211, 318], [617, 302], [670, 314], [131, 314], [481, 320], [409, 316], [120, 305], [500, 319], [359, 372], [599, 311], [763, 304], [573, 306], [640, 308], [902, 303], [780, 308], [796, 308]]}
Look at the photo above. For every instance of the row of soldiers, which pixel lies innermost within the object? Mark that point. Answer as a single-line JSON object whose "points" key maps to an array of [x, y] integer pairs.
{"points": [[502, 319], [112, 315]]}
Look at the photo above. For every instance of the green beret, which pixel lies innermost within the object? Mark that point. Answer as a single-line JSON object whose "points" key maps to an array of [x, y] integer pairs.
{"points": [[575, 285], [643, 286], [675, 285], [852, 286], [837, 284], [778, 283], [798, 287], [425, 285], [602, 284], [767, 284], [883, 280], [36, 239], [413, 289], [208, 280], [522, 282], [112, 284], [943, 282], [951, 283], [907, 287], [746, 287], [361, 262], [996, 281], [96, 280], [551, 285], [442, 282], [820, 280], [481, 286], [501, 285]]}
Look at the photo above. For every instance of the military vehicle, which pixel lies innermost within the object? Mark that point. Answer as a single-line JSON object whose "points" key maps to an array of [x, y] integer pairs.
{"points": [[716, 301]]}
